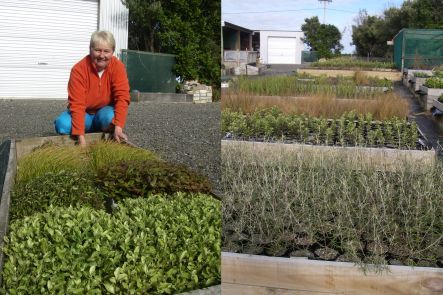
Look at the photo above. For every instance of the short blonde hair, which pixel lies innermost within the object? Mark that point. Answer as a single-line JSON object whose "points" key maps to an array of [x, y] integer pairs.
{"points": [[102, 37]]}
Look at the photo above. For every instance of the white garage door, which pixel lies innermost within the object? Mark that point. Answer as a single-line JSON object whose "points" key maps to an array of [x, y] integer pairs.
{"points": [[282, 50], [40, 41]]}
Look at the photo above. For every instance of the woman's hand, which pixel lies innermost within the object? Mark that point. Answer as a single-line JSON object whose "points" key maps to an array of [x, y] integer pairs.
{"points": [[81, 140], [119, 135]]}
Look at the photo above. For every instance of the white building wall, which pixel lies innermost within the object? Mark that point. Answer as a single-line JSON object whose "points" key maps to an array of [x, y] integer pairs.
{"points": [[264, 44], [40, 41], [114, 17]]}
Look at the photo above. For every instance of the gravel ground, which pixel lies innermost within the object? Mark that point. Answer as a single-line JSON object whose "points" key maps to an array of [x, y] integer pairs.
{"points": [[183, 133]]}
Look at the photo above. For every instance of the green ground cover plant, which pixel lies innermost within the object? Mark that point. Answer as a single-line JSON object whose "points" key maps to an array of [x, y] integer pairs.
{"points": [[79, 248], [350, 129], [157, 245], [340, 87], [434, 82], [285, 203], [60, 188], [350, 63]]}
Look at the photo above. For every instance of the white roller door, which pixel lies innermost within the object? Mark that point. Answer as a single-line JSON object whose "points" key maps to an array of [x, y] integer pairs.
{"points": [[282, 50], [40, 41]]}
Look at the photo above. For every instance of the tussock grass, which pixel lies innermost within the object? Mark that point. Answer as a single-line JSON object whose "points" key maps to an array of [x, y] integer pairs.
{"points": [[55, 158], [107, 153], [384, 107], [278, 201], [51, 158], [339, 87]]}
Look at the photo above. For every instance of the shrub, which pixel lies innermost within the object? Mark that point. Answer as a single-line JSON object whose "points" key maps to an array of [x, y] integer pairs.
{"points": [[60, 188], [434, 82], [350, 129], [155, 245], [421, 75], [131, 179]]}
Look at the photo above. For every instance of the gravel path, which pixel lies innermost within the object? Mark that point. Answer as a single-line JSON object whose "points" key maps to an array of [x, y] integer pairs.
{"points": [[423, 119], [183, 133]]}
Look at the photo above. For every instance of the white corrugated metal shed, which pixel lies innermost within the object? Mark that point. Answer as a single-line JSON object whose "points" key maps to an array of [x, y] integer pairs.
{"points": [[40, 41]]}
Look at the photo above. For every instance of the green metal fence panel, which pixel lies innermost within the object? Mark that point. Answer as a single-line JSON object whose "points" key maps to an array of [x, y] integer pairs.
{"points": [[150, 72], [4, 158], [309, 56], [398, 50], [418, 49]]}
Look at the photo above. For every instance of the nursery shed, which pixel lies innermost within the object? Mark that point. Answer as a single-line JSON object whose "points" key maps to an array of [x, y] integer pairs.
{"points": [[281, 47], [418, 48], [40, 41]]}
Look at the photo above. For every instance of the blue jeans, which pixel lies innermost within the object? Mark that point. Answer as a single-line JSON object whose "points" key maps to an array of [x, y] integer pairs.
{"points": [[97, 122]]}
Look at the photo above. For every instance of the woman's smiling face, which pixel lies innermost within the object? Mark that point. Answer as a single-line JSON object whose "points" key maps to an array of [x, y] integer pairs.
{"points": [[101, 54]]}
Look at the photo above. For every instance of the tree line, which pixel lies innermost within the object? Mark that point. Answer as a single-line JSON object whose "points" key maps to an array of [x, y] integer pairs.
{"points": [[371, 32], [189, 29]]}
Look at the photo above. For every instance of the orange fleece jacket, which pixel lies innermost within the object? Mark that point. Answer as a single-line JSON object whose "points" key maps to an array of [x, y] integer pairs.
{"points": [[87, 92]]}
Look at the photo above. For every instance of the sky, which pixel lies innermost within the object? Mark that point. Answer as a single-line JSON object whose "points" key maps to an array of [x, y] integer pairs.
{"points": [[289, 15]]}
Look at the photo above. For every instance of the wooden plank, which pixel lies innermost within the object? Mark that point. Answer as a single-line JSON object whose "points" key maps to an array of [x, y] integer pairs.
{"points": [[358, 157], [234, 289], [327, 277]]}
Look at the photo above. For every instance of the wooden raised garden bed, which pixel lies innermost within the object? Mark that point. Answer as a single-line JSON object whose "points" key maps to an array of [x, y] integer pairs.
{"points": [[427, 96], [20, 148], [279, 225], [382, 74], [408, 75], [415, 83]]}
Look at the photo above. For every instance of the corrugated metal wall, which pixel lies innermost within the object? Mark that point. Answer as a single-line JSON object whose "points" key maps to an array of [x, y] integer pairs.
{"points": [[114, 18], [39, 43]]}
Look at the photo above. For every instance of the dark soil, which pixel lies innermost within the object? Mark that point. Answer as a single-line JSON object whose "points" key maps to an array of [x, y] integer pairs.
{"points": [[182, 133]]}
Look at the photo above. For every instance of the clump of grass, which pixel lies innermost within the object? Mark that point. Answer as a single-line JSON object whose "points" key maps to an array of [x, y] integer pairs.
{"points": [[361, 78], [294, 86], [51, 158], [54, 158], [304, 200], [383, 107], [106, 153]]}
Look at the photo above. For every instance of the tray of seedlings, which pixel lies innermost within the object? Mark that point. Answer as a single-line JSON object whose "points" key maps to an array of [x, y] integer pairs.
{"points": [[305, 220], [357, 86], [271, 125], [105, 219]]}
